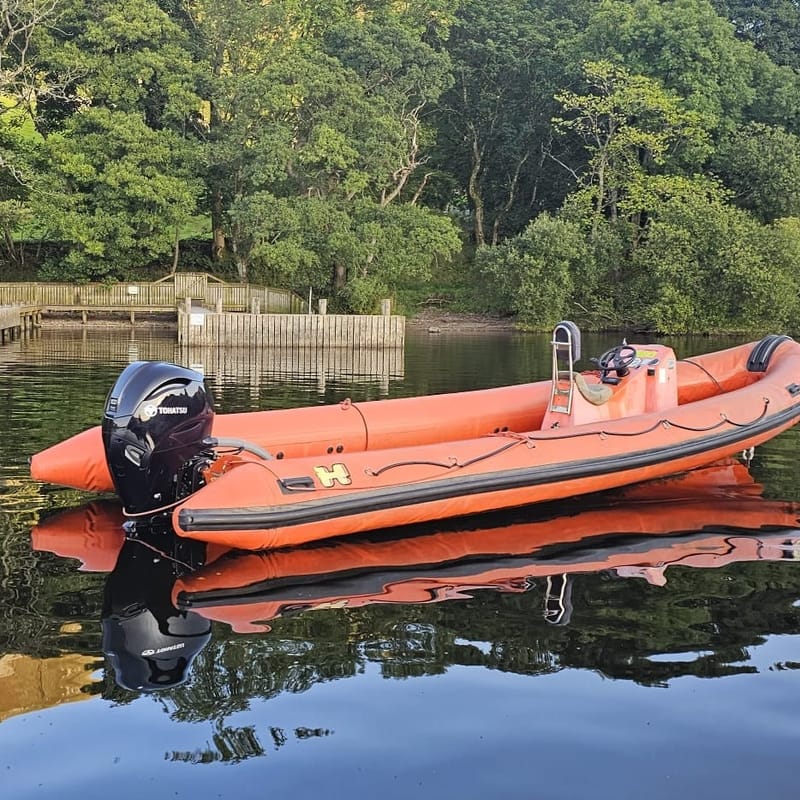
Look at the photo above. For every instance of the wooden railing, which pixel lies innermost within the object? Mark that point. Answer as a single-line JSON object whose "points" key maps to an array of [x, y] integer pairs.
{"points": [[164, 295]]}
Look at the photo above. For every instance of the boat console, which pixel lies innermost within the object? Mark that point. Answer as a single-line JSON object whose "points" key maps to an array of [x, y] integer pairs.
{"points": [[629, 380]]}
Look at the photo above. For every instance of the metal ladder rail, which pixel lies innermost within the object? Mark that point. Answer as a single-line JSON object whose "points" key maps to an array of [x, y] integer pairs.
{"points": [[562, 387]]}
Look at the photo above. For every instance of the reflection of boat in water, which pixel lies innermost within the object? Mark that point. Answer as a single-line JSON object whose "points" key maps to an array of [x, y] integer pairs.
{"points": [[92, 534], [164, 592], [286, 477], [706, 518], [634, 538]]}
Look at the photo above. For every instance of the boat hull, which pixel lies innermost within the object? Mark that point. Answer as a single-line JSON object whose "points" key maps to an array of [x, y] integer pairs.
{"points": [[259, 505]]}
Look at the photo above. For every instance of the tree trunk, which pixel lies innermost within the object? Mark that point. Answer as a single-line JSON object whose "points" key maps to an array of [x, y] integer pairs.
{"points": [[218, 246], [512, 196], [176, 252], [239, 259], [477, 205], [474, 190], [339, 277]]}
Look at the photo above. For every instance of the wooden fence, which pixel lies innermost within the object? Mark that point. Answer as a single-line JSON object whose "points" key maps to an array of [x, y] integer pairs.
{"points": [[159, 296], [205, 328]]}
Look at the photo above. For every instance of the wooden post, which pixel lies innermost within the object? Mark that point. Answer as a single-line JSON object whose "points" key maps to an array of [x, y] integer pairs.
{"points": [[84, 316], [133, 317], [323, 307], [255, 305], [218, 306], [386, 308]]}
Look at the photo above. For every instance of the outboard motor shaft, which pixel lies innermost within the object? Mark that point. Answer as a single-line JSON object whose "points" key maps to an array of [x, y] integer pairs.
{"points": [[156, 419]]}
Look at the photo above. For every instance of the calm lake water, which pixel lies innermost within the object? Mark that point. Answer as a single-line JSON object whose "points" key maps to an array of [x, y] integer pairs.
{"points": [[629, 647]]}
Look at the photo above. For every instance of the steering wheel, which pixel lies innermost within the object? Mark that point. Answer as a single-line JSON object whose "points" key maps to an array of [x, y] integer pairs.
{"points": [[617, 359]]}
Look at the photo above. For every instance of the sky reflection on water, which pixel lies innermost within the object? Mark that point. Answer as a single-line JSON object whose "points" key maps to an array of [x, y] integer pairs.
{"points": [[468, 733]]}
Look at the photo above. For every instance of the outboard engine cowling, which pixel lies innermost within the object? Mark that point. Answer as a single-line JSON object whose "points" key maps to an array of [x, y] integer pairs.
{"points": [[156, 419]]}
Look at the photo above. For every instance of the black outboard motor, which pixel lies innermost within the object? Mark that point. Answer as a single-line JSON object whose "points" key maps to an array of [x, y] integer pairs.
{"points": [[156, 419]]}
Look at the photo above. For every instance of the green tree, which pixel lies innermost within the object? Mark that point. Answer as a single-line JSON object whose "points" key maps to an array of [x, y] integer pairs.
{"points": [[306, 242], [509, 58], [80, 59], [19, 147], [117, 192], [761, 163], [707, 266], [302, 108], [21, 83], [22, 88], [684, 45], [541, 275], [630, 127], [773, 26], [125, 55]]}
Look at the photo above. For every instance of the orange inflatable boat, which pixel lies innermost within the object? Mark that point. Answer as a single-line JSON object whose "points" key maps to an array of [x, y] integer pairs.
{"points": [[280, 478]]}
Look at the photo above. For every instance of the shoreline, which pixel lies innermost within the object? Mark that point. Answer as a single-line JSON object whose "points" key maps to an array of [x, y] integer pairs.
{"points": [[449, 321]]}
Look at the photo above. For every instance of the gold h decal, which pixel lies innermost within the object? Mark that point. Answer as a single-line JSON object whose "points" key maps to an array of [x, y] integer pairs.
{"points": [[337, 472]]}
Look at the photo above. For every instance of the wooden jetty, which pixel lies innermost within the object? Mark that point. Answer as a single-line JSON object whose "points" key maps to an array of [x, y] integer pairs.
{"points": [[16, 320], [211, 312]]}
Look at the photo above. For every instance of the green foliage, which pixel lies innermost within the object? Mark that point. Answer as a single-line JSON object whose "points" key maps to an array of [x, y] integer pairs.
{"points": [[631, 128], [773, 26], [328, 245], [705, 266], [119, 192], [333, 146], [509, 59], [125, 55], [684, 45], [538, 273], [761, 163]]}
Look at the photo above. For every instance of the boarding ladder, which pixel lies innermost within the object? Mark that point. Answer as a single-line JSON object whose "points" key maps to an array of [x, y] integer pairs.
{"points": [[558, 599], [566, 346]]}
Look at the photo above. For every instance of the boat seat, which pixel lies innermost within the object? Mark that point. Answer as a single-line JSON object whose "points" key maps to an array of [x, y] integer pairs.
{"points": [[595, 393]]}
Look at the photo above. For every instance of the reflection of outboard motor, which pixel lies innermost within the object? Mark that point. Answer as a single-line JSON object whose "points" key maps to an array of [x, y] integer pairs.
{"points": [[149, 642], [156, 418]]}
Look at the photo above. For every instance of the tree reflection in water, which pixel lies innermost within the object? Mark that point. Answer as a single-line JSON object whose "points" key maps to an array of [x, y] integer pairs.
{"points": [[639, 588]]}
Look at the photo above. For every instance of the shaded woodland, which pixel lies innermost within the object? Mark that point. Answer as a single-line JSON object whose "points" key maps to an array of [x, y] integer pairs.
{"points": [[625, 163]]}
